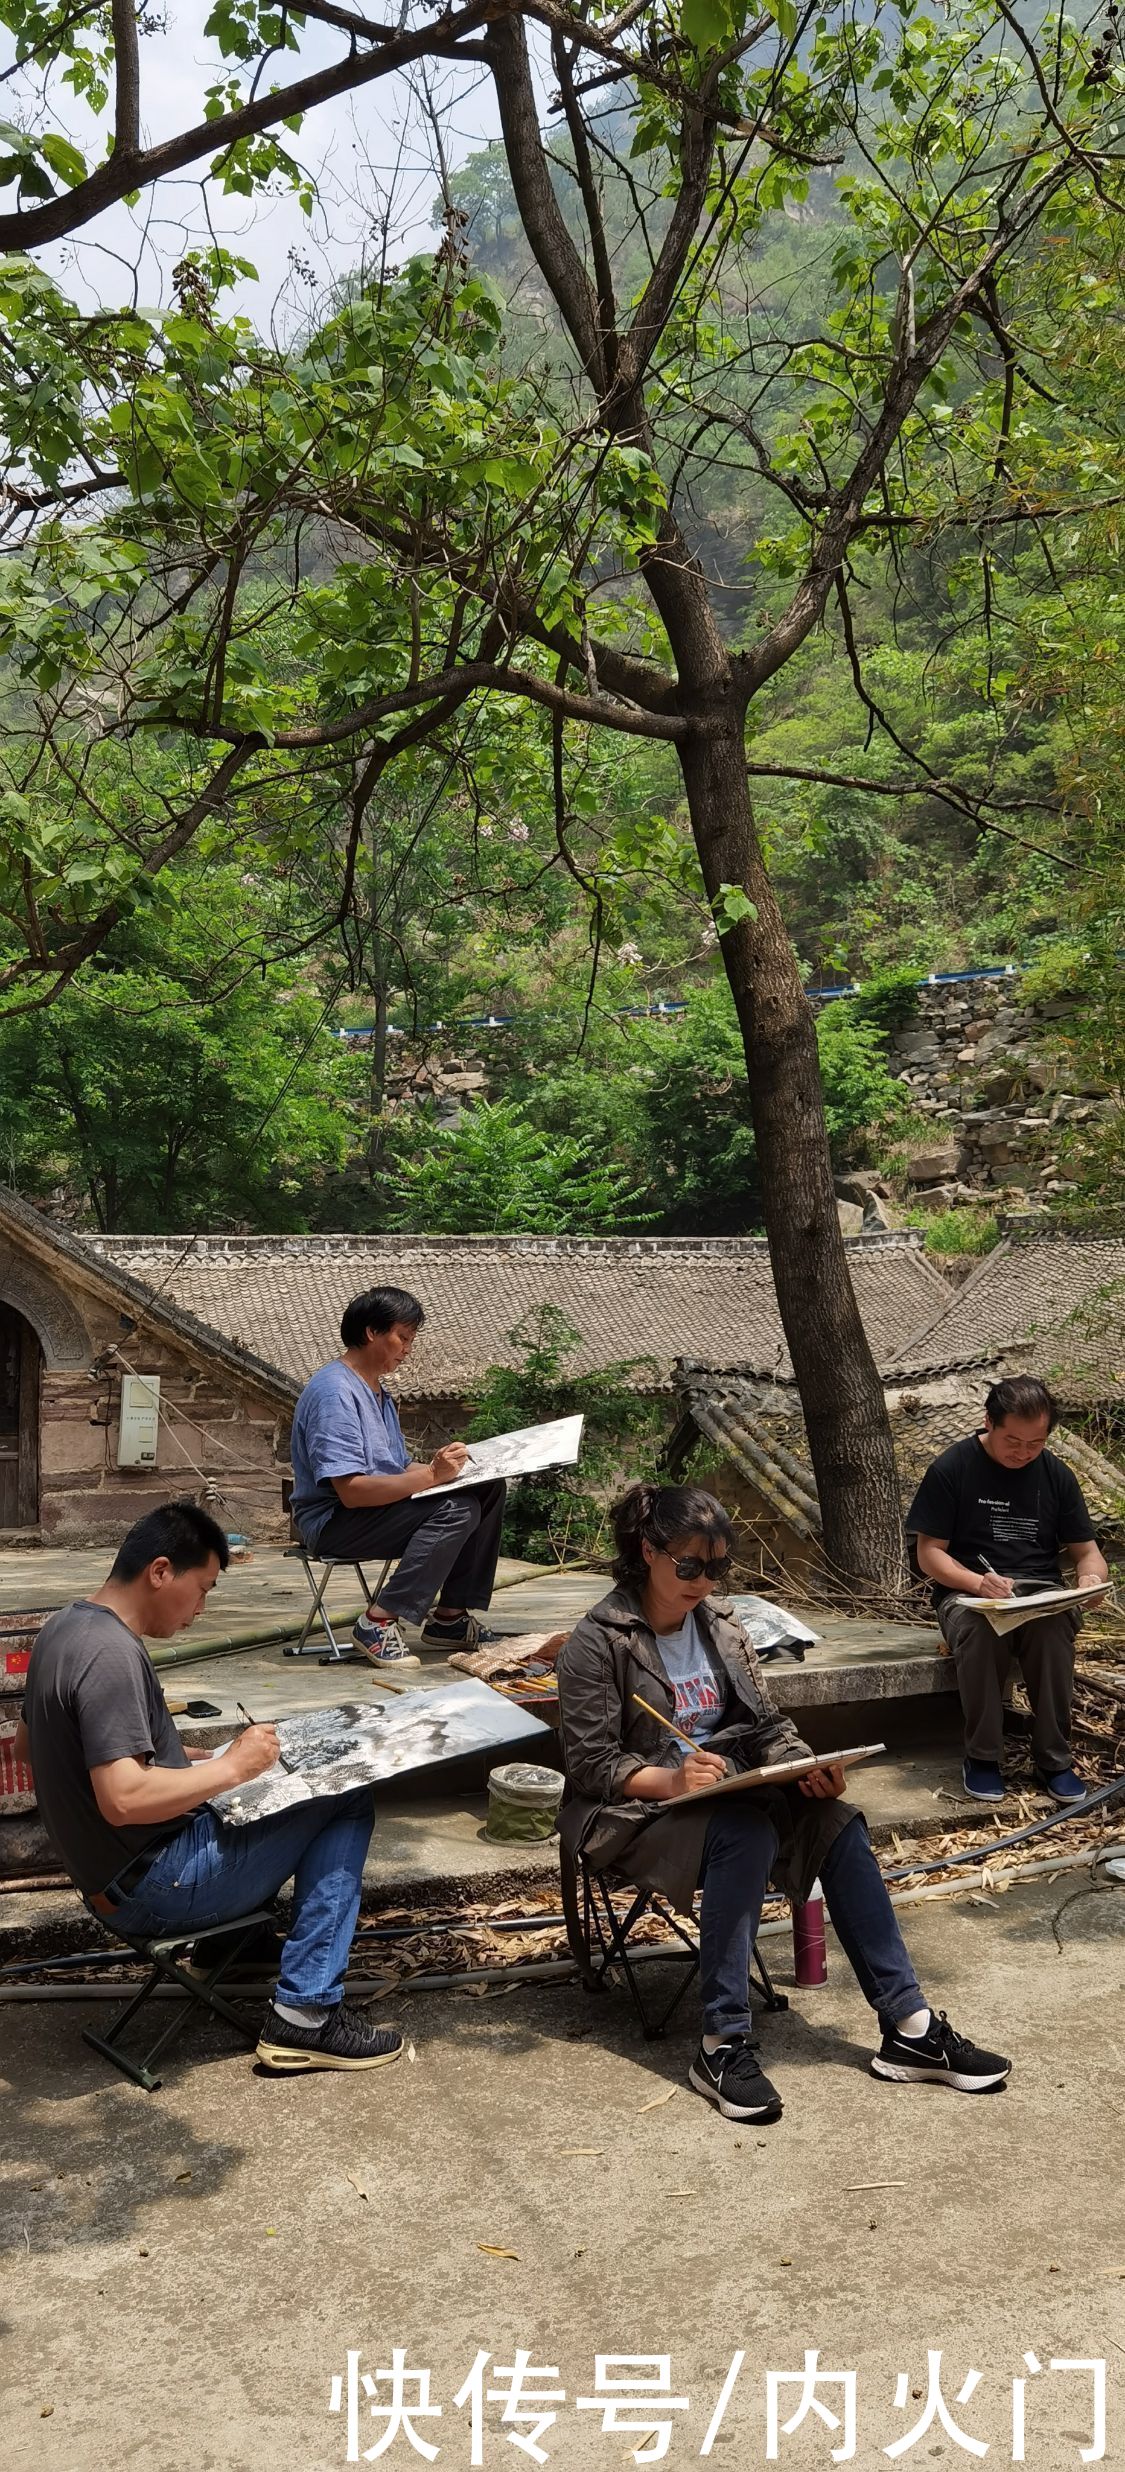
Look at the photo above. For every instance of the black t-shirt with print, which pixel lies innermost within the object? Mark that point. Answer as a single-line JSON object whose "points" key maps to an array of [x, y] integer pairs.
{"points": [[1014, 1518]]}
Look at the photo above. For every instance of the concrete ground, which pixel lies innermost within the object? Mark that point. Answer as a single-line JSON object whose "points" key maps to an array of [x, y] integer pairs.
{"points": [[186, 2272]]}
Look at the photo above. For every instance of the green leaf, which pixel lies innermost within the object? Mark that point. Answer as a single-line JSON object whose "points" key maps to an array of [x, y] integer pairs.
{"points": [[64, 159], [731, 906], [706, 23]]}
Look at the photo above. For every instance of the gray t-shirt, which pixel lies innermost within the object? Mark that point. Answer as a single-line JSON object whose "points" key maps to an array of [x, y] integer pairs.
{"points": [[699, 1684], [92, 1695]]}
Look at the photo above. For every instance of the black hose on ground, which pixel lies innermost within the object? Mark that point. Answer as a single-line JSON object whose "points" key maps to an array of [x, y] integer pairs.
{"points": [[1019, 1836], [1105, 1795]]}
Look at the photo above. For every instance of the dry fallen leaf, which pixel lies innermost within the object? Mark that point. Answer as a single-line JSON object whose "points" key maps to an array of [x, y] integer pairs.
{"points": [[183, 2175], [359, 2183], [487, 2250], [656, 2100]]}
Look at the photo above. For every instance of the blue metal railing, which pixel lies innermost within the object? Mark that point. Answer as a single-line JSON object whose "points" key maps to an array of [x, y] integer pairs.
{"points": [[663, 1011]]}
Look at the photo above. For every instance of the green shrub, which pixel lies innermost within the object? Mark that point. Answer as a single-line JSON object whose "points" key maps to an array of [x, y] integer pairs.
{"points": [[956, 1231], [562, 1515], [888, 999], [861, 1096]]}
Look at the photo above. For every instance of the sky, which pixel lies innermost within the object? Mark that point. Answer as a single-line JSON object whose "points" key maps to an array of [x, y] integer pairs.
{"points": [[361, 150]]}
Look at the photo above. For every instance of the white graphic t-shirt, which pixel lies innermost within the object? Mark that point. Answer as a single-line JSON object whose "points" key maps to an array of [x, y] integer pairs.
{"points": [[699, 1684]]}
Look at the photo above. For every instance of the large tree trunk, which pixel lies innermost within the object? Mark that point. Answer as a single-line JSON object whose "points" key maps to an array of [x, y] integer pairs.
{"points": [[841, 1394]]}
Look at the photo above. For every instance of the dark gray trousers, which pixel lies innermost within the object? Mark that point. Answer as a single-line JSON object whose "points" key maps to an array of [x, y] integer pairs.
{"points": [[448, 1548], [1046, 1654]]}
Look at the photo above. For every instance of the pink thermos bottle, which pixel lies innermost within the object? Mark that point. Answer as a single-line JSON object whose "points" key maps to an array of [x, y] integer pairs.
{"points": [[810, 1955]]}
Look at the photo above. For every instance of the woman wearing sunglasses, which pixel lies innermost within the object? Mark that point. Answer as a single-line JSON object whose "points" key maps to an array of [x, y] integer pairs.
{"points": [[664, 1635]]}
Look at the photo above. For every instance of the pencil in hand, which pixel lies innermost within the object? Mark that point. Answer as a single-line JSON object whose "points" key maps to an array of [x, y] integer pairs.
{"points": [[666, 1722]]}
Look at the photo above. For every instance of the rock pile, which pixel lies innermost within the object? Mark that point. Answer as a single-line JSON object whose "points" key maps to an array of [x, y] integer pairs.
{"points": [[979, 1066]]}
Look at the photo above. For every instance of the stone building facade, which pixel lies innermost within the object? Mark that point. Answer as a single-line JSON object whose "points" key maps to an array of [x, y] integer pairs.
{"points": [[71, 1329]]}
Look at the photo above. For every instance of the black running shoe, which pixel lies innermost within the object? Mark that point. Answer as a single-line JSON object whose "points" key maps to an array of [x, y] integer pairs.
{"points": [[939, 2057], [731, 2079], [344, 2041], [466, 1632]]}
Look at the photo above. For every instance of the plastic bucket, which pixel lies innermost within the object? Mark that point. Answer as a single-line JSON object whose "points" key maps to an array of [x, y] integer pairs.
{"points": [[523, 1803]]}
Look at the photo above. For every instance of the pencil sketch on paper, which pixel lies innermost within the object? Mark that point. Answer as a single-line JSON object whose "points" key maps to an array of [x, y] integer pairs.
{"points": [[332, 1750], [520, 1454]]}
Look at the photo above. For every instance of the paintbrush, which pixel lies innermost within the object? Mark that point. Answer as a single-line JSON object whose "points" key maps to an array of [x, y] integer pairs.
{"points": [[666, 1722]]}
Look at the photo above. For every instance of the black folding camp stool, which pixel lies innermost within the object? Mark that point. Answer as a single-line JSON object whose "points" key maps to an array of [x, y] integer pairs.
{"points": [[599, 1940], [160, 1955], [306, 1646]]}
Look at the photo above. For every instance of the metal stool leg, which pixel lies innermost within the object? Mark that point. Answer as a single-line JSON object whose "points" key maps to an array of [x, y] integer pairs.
{"points": [[201, 1992], [305, 1644], [337, 1652]]}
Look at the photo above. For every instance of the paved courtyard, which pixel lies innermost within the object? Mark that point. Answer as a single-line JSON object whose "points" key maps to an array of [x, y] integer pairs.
{"points": [[185, 2272]]}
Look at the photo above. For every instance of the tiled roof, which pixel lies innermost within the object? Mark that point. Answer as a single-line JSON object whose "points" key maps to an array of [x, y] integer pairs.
{"points": [[281, 1297], [1052, 1305], [760, 1428], [30, 1233]]}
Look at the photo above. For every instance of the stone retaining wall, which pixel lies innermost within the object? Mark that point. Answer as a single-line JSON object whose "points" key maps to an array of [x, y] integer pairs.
{"points": [[983, 1068]]}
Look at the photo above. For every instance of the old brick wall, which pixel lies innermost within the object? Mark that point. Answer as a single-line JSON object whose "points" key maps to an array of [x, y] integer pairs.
{"points": [[213, 1426]]}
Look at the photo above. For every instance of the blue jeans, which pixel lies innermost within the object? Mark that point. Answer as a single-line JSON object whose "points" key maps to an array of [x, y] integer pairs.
{"points": [[210, 1874], [738, 1857]]}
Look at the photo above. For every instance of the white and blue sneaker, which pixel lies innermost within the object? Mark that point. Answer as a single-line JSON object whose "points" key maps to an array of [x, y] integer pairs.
{"points": [[382, 1643]]}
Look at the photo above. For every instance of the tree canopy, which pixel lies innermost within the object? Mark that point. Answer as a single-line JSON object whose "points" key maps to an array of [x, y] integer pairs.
{"points": [[248, 581]]}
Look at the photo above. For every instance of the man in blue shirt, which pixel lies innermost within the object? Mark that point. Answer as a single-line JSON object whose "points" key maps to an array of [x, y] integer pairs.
{"points": [[357, 1492]]}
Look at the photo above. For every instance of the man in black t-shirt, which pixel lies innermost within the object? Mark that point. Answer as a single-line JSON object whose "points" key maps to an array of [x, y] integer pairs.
{"points": [[990, 1519]]}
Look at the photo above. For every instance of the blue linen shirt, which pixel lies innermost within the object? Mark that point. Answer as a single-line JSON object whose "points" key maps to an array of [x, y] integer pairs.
{"points": [[341, 1427]]}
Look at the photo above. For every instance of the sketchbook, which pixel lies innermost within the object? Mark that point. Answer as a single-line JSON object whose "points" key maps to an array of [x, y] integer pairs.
{"points": [[782, 1773], [1007, 1613], [522, 1453], [332, 1750]]}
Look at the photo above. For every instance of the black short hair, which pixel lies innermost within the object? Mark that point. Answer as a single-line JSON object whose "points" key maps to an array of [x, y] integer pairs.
{"points": [[658, 1514], [1022, 1395], [178, 1532], [378, 1309]]}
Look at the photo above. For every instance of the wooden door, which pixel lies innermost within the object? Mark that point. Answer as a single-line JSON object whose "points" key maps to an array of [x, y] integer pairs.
{"points": [[20, 1361]]}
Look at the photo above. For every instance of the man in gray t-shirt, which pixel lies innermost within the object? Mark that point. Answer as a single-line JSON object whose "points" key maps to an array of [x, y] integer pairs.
{"points": [[128, 1808], [92, 1696]]}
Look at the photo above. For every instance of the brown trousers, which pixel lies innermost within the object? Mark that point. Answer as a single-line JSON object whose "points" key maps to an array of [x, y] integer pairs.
{"points": [[1046, 1654]]}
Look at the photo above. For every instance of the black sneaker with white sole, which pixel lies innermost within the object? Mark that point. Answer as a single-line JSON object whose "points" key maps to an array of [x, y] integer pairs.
{"points": [[344, 2041], [466, 1632], [731, 2080], [939, 2057]]}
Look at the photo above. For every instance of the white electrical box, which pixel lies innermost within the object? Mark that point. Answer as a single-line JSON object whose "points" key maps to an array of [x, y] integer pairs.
{"points": [[140, 1420]]}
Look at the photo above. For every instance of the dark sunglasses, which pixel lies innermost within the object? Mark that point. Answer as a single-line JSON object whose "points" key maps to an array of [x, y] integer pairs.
{"points": [[691, 1566]]}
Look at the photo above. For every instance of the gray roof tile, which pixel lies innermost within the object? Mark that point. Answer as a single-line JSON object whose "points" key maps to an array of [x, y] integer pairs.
{"points": [[281, 1297]]}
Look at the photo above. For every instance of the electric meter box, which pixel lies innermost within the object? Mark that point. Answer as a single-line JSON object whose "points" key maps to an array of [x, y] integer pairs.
{"points": [[140, 1420]]}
